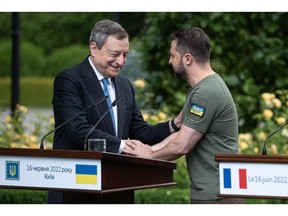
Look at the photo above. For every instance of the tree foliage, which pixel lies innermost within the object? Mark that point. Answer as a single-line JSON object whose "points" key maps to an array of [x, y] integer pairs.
{"points": [[249, 50], [54, 30]]}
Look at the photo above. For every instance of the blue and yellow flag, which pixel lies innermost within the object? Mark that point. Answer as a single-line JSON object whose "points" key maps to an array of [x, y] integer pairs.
{"points": [[197, 110], [86, 174]]}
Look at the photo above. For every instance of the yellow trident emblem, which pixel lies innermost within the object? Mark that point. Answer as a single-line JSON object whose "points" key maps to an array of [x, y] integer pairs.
{"points": [[12, 170]]}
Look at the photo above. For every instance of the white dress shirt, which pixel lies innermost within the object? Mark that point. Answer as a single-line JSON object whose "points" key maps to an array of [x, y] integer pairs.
{"points": [[112, 94]]}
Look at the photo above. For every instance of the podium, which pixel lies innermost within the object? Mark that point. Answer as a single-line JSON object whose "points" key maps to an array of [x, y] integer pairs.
{"points": [[83, 176], [253, 176]]}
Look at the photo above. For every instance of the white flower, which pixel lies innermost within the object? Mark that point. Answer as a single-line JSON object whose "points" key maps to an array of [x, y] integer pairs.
{"points": [[284, 132]]}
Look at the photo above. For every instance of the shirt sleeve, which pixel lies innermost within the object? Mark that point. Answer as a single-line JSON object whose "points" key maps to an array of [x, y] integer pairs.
{"points": [[199, 112], [122, 144]]}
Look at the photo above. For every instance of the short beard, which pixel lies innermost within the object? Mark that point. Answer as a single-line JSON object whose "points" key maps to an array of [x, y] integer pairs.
{"points": [[180, 72]]}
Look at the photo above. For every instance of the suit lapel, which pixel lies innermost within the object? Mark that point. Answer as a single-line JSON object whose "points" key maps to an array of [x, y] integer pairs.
{"points": [[95, 90]]}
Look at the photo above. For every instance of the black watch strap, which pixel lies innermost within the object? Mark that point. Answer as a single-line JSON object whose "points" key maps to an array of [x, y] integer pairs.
{"points": [[174, 126]]}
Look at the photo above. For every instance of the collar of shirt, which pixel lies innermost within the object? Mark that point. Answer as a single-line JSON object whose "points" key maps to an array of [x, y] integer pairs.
{"points": [[98, 74], [111, 90]]}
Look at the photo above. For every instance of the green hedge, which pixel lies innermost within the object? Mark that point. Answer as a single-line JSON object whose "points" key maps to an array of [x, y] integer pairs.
{"points": [[64, 58], [148, 196], [34, 62], [34, 91], [23, 196], [165, 195], [32, 59]]}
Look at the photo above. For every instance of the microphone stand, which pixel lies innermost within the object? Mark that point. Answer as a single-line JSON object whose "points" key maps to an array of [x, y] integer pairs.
{"points": [[92, 105], [264, 152], [110, 107]]}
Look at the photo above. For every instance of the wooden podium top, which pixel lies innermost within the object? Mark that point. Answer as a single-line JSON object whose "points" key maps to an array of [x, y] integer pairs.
{"points": [[251, 158], [85, 155]]}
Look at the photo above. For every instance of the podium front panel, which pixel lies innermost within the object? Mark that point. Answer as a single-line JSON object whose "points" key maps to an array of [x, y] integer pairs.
{"points": [[253, 176], [83, 171], [57, 173], [254, 179]]}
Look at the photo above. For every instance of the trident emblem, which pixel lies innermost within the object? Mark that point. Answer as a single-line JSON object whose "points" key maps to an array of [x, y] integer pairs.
{"points": [[12, 170]]}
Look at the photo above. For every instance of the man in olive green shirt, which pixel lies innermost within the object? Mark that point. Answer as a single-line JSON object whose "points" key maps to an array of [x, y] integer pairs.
{"points": [[209, 109], [209, 118]]}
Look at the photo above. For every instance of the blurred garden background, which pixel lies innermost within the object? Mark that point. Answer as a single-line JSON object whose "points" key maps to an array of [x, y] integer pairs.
{"points": [[249, 50]]}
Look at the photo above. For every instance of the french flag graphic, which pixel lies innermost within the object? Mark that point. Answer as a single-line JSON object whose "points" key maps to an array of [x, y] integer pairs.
{"points": [[242, 173]]}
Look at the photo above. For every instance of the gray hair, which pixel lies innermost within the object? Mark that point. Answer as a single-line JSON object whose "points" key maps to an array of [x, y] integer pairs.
{"points": [[103, 29]]}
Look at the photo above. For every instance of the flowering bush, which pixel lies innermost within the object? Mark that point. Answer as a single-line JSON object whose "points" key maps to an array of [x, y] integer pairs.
{"points": [[273, 116], [15, 134]]}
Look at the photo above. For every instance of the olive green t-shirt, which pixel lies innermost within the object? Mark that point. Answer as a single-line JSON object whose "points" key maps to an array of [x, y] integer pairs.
{"points": [[210, 109]]}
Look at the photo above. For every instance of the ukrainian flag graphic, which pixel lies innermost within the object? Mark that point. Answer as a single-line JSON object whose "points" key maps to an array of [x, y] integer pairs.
{"points": [[86, 174]]}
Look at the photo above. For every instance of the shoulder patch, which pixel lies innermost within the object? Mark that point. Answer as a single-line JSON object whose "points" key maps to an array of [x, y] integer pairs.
{"points": [[197, 110]]}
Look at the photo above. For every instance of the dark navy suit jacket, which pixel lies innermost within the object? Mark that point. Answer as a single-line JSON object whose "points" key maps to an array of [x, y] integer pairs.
{"points": [[77, 88]]}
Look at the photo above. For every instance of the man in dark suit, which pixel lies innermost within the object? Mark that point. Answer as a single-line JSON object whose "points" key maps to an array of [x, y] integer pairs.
{"points": [[78, 87]]}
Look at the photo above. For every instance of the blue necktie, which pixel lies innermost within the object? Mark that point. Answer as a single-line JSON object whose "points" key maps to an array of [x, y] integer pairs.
{"points": [[106, 92]]}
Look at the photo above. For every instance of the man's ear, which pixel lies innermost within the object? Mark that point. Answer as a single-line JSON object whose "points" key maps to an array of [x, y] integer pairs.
{"points": [[92, 48], [188, 58]]}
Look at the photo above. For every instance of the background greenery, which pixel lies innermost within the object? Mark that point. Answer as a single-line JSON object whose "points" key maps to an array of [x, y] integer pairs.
{"points": [[249, 50], [35, 91]]}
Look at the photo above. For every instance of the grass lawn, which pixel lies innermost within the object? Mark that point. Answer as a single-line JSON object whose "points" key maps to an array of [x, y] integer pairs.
{"points": [[34, 91]]}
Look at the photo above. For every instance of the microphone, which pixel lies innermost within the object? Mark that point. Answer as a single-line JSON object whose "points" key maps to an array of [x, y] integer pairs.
{"points": [[95, 103], [109, 108], [264, 152]]}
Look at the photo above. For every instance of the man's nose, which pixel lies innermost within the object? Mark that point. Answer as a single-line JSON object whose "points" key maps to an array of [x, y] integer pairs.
{"points": [[121, 60]]}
